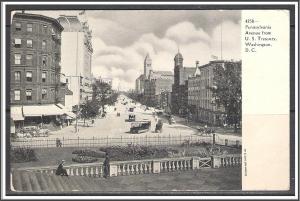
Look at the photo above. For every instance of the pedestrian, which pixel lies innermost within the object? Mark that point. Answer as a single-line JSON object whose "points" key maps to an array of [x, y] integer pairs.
{"points": [[106, 166], [61, 170]]}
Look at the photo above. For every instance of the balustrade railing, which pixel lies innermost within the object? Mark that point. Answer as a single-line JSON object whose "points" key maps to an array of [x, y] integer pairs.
{"points": [[230, 160], [175, 164], [123, 168], [87, 169]]}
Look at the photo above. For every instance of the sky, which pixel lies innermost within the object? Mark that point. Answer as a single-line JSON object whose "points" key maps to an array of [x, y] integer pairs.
{"points": [[122, 38]]}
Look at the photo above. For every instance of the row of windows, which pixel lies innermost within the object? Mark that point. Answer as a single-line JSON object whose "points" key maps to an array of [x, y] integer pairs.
{"points": [[17, 76], [28, 94], [29, 27], [18, 59], [18, 27], [29, 43]]}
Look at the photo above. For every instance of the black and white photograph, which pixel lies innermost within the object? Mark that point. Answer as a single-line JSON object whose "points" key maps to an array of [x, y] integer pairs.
{"points": [[130, 101]]}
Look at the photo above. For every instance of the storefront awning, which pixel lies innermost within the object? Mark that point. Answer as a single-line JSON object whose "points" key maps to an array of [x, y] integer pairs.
{"points": [[16, 113], [41, 110], [70, 115]]}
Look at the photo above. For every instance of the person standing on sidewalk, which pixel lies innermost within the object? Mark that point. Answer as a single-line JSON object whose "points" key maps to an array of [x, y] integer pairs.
{"points": [[106, 166]]}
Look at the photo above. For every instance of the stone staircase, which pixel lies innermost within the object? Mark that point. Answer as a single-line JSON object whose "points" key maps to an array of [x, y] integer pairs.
{"points": [[28, 181]]}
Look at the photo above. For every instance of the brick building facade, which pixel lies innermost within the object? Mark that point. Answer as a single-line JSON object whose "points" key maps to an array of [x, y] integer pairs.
{"points": [[200, 98], [35, 60]]}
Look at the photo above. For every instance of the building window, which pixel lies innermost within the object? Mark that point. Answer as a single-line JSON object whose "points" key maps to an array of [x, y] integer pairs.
{"points": [[17, 58], [17, 94], [44, 76], [29, 59], [29, 43], [29, 76], [18, 42], [44, 43], [29, 27], [45, 27], [18, 26], [17, 76], [44, 94], [44, 60], [29, 94]]}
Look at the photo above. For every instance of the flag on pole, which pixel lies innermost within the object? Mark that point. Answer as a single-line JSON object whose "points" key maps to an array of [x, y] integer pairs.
{"points": [[82, 12], [214, 57]]}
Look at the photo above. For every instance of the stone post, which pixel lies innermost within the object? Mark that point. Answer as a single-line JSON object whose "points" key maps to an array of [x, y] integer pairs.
{"points": [[113, 170], [195, 163], [216, 161], [156, 166]]}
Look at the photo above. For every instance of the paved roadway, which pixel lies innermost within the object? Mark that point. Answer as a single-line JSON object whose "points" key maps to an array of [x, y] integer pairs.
{"points": [[113, 126]]}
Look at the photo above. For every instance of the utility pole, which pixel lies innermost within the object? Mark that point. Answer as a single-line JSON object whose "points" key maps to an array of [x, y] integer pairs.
{"points": [[221, 40]]}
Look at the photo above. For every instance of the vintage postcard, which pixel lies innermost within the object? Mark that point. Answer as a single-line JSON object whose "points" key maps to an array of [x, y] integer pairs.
{"points": [[108, 100]]}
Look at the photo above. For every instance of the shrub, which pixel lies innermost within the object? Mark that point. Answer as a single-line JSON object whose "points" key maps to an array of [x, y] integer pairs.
{"points": [[84, 159], [90, 153], [21, 155]]}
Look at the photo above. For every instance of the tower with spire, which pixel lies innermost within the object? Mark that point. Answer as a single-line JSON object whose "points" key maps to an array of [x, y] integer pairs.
{"points": [[147, 66], [178, 64]]}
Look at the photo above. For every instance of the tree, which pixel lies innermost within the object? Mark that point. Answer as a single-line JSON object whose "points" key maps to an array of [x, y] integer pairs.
{"points": [[103, 94], [88, 110], [227, 91]]}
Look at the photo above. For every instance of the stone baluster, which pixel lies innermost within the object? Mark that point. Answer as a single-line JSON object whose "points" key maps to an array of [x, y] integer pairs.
{"points": [[76, 171], [175, 165], [150, 167], [72, 171], [92, 172], [97, 171], [187, 164], [87, 171], [183, 165], [101, 171], [119, 169], [126, 168], [134, 169]]}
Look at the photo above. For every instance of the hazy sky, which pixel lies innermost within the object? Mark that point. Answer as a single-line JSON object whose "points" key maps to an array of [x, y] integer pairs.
{"points": [[121, 39]]}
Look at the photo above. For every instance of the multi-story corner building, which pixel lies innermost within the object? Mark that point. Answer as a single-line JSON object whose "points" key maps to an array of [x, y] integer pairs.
{"points": [[157, 83], [200, 97], [76, 58], [35, 69], [179, 89]]}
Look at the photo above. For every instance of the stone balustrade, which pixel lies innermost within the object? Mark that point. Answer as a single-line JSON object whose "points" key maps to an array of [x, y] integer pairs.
{"points": [[122, 168], [230, 160], [151, 166], [175, 164], [87, 169]]}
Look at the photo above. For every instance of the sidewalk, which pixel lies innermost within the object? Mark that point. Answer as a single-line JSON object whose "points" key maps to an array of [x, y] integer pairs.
{"points": [[195, 125]]}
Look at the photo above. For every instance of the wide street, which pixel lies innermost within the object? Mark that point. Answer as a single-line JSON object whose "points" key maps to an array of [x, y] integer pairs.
{"points": [[115, 127]]}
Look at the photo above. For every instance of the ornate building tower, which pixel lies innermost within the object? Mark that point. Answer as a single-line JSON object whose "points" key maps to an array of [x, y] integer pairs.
{"points": [[147, 66], [178, 63]]}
